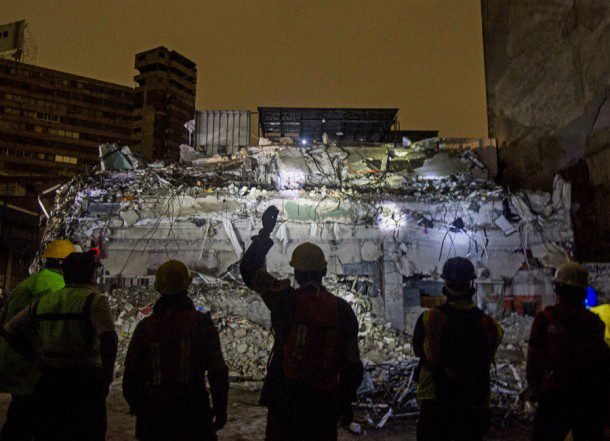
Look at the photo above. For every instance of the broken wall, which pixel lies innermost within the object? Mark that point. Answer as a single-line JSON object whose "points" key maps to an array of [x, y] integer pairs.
{"points": [[389, 231], [548, 87]]}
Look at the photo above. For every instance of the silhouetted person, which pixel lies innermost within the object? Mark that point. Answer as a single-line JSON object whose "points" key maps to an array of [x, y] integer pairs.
{"points": [[568, 364], [315, 367], [17, 374], [76, 349], [456, 343], [166, 364]]}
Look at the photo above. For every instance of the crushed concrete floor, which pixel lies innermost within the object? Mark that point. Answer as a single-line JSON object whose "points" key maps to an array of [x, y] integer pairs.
{"points": [[246, 422]]}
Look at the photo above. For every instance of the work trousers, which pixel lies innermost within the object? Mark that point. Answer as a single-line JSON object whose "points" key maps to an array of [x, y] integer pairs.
{"points": [[72, 405], [559, 413], [190, 424], [446, 422], [19, 417], [285, 424]]}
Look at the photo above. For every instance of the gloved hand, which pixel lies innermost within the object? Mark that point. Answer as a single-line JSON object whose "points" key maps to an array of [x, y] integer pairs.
{"points": [[220, 420], [270, 218]]}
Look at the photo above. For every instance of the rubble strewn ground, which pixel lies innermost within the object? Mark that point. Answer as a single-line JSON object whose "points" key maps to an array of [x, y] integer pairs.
{"points": [[246, 422]]}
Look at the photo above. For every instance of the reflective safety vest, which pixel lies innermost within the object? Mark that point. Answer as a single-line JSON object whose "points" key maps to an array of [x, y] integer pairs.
{"points": [[312, 351], [459, 347], [67, 336], [18, 375]]}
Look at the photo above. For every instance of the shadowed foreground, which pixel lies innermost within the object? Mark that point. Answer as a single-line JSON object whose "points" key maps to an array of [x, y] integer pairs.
{"points": [[246, 421]]}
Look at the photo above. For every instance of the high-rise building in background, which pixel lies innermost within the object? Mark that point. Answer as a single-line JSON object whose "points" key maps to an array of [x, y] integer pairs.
{"points": [[164, 102], [51, 123]]}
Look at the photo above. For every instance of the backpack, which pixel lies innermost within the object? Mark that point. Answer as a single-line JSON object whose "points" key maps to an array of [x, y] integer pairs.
{"points": [[467, 347], [172, 341], [312, 349], [578, 357]]}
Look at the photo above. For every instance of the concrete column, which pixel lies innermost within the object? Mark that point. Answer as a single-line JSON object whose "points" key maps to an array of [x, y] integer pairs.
{"points": [[392, 284]]}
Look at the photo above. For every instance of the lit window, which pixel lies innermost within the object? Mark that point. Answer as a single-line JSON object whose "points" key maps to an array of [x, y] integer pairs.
{"points": [[59, 158], [38, 129]]}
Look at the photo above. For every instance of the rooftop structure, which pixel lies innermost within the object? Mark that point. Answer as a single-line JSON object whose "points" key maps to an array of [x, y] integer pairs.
{"points": [[306, 125], [164, 102]]}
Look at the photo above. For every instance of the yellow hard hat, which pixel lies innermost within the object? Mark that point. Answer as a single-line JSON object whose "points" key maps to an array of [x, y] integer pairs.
{"points": [[308, 257], [172, 277], [572, 274], [58, 249]]}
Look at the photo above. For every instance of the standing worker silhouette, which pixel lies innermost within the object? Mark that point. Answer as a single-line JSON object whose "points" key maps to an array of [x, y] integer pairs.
{"points": [[568, 364], [456, 343], [315, 368], [17, 374], [166, 364], [76, 350]]}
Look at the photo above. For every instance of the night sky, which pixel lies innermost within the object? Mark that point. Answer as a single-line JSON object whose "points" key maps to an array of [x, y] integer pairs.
{"points": [[423, 56]]}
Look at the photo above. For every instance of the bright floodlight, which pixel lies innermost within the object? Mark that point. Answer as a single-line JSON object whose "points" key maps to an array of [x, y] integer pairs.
{"points": [[303, 141]]}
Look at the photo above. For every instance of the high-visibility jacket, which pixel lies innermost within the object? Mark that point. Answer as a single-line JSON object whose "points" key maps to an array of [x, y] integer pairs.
{"points": [[17, 375], [67, 336], [603, 312]]}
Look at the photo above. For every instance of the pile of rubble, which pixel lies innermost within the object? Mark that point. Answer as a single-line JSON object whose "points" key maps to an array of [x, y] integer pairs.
{"points": [[516, 334], [122, 194], [243, 323], [389, 391]]}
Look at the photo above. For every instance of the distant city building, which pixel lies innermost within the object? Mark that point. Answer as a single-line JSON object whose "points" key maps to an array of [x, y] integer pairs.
{"points": [[164, 102], [51, 122], [306, 125]]}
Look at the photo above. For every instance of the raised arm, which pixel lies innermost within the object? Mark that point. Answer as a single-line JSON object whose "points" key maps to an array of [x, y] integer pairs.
{"points": [[252, 265], [254, 257]]}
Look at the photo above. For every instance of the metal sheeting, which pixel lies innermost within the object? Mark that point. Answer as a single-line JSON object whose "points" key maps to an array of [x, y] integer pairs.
{"points": [[221, 131]]}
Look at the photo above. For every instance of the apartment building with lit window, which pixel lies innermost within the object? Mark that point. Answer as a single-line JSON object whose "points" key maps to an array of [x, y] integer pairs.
{"points": [[51, 122]]}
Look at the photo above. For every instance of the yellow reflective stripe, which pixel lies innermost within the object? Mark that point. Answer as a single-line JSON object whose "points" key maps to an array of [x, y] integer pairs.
{"points": [[433, 322]]}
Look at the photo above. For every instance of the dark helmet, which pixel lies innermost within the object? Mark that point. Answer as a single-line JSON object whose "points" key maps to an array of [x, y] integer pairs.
{"points": [[458, 269], [79, 267]]}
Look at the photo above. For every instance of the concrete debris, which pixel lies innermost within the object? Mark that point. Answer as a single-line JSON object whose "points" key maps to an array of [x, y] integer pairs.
{"points": [[516, 335], [389, 391], [243, 322], [362, 205], [115, 157]]}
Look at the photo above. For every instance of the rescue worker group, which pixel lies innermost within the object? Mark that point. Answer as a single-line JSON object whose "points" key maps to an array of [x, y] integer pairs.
{"points": [[59, 347]]}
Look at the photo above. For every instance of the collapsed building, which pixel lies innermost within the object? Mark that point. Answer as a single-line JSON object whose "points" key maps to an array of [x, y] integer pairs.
{"points": [[387, 218]]}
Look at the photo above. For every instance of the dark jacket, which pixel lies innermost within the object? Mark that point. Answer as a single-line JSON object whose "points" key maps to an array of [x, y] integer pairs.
{"points": [[458, 338], [280, 298], [567, 352], [166, 362]]}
